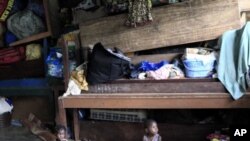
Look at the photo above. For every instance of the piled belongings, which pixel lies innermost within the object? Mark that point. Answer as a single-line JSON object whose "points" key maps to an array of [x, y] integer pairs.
{"points": [[199, 62], [218, 136], [23, 17], [77, 81], [106, 65], [25, 23], [87, 5], [116, 6], [157, 71]]}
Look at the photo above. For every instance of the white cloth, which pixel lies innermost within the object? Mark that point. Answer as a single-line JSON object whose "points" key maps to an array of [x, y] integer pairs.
{"points": [[73, 89]]}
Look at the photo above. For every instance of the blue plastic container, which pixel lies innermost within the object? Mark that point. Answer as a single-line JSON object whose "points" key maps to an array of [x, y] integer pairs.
{"points": [[197, 69]]}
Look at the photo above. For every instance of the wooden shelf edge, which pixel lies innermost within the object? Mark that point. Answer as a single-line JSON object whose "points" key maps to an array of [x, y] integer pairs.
{"points": [[155, 102], [32, 38], [245, 10]]}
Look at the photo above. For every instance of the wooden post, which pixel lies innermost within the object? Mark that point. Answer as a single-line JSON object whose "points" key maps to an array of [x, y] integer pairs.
{"points": [[76, 125], [62, 113]]}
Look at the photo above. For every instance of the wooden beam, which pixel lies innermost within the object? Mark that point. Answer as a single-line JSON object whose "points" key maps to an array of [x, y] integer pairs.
{"points": [[154, 57], [244, 5], [32, 38], [172, 25], [161, 86]]}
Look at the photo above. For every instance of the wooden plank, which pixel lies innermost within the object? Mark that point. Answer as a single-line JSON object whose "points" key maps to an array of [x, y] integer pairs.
{"points": [[31, 38], [158, 87], [23, 69], [76, 124], [243, 18], [156, 101], [154, 57], [244, 5], [248, 16], [172, 25], [66, 71], [53, 19], [47, 18], [62, 113]]}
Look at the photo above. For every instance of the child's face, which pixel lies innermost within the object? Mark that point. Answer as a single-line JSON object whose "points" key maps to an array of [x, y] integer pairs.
{"points": [[61, 135], [153, 129]]}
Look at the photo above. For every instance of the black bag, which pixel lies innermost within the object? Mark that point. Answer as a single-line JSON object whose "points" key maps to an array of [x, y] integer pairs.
{"points": [[106, 65]]}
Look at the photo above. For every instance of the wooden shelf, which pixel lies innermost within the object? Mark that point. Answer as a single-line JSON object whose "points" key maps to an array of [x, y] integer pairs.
{"points": [[168, 94], [23, 69], [31, 38], [156, 101]]}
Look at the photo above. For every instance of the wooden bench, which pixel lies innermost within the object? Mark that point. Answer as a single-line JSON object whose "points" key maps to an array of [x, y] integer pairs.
{"points": [[162, 94]]}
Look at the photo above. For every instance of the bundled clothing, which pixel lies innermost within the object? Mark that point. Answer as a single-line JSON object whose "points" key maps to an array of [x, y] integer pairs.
{"points": [[168, 71]]}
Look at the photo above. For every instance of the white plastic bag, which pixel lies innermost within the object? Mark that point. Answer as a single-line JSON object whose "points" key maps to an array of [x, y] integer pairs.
{"points": [[5, 105]]}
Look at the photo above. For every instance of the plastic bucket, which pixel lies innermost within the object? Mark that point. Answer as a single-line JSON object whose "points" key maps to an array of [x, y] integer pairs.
{"points": [[5, 119], [196, 68]]}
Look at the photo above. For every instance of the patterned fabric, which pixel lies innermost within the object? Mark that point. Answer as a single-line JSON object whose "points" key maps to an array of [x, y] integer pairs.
{"points": [[5, 8], [139, 12], [116, 6]]}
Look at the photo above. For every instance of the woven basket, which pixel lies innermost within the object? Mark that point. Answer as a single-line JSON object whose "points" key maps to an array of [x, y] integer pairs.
{"points": [[5, 119]]}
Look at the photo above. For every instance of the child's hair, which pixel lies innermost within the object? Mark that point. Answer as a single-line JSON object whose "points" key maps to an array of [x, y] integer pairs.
{"points": [[59, 128], [148, 123]]}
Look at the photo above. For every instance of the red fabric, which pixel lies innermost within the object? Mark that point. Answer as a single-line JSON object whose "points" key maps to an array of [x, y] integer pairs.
{"points": [[11, 55], [3, 5]]}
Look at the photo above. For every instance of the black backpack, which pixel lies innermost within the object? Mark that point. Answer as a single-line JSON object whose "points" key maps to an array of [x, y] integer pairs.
{"points": [[106, 65]]}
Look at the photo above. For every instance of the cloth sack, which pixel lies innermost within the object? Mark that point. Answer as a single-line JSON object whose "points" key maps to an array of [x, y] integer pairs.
{"points": [[25, 23], [33, 51]]}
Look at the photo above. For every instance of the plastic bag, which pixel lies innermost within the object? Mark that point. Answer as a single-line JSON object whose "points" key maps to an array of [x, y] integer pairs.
{"points": [[54, 63], [5, 105], [149, 66]]}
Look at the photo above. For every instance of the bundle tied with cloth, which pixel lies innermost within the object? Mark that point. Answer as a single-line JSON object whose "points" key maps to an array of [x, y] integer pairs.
{"points": [[77, 82]]}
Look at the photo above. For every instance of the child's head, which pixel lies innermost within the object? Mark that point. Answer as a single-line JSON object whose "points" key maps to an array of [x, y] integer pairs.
{"points": [[151, 127], [61, 132]]}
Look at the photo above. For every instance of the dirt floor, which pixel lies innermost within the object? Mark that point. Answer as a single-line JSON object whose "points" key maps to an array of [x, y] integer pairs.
{"points": [[17, 134]]}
